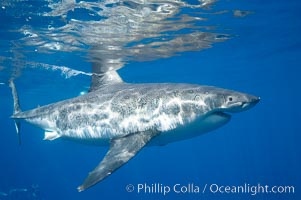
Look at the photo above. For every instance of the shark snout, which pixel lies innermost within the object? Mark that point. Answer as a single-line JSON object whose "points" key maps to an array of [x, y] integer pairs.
{"points": [[253, 99], [239, 102], [251, 102]]}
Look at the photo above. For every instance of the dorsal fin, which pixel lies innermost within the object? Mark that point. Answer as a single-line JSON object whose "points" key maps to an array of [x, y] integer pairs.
{"points": [[101, 77]]}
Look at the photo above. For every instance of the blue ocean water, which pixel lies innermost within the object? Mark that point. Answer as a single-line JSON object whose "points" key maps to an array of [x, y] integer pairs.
{"points": [[261, 146]]}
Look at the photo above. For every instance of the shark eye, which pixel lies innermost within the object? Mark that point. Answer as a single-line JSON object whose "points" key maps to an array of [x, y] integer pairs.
{"points": [[230, 98]]}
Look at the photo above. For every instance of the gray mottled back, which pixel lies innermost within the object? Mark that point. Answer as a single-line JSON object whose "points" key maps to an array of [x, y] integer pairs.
{"points": [[121, 109]]}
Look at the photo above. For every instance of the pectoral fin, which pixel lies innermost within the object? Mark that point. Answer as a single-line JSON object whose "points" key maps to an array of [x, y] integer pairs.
{"points": [[120, 152]]}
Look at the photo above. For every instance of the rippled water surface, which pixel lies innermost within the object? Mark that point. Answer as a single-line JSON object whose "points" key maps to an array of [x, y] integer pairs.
{"points": [[47, 34]]}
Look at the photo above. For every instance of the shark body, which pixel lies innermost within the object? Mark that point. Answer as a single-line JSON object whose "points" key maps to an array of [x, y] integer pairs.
{"points": [[128, 117]]}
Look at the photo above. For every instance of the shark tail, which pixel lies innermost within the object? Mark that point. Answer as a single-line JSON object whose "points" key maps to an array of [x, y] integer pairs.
{"points": [[17, 108]]}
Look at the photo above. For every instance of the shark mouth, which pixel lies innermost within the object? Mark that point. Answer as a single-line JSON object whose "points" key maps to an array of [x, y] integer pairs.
{"points": [[222, 114]]}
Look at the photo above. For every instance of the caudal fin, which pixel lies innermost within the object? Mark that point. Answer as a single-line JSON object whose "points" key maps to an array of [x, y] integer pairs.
{"points": [[17, 108]]}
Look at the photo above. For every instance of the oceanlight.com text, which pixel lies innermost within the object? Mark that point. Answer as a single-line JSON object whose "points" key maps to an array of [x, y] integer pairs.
{"points": [[193, 188], [251, 189]]}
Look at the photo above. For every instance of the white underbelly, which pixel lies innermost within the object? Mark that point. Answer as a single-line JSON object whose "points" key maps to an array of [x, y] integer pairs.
{"points": [[196, 128], [182, 132]]}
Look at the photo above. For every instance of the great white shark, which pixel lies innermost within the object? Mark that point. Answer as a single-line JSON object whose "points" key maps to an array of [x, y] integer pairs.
{"points": [[128, 117]]}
